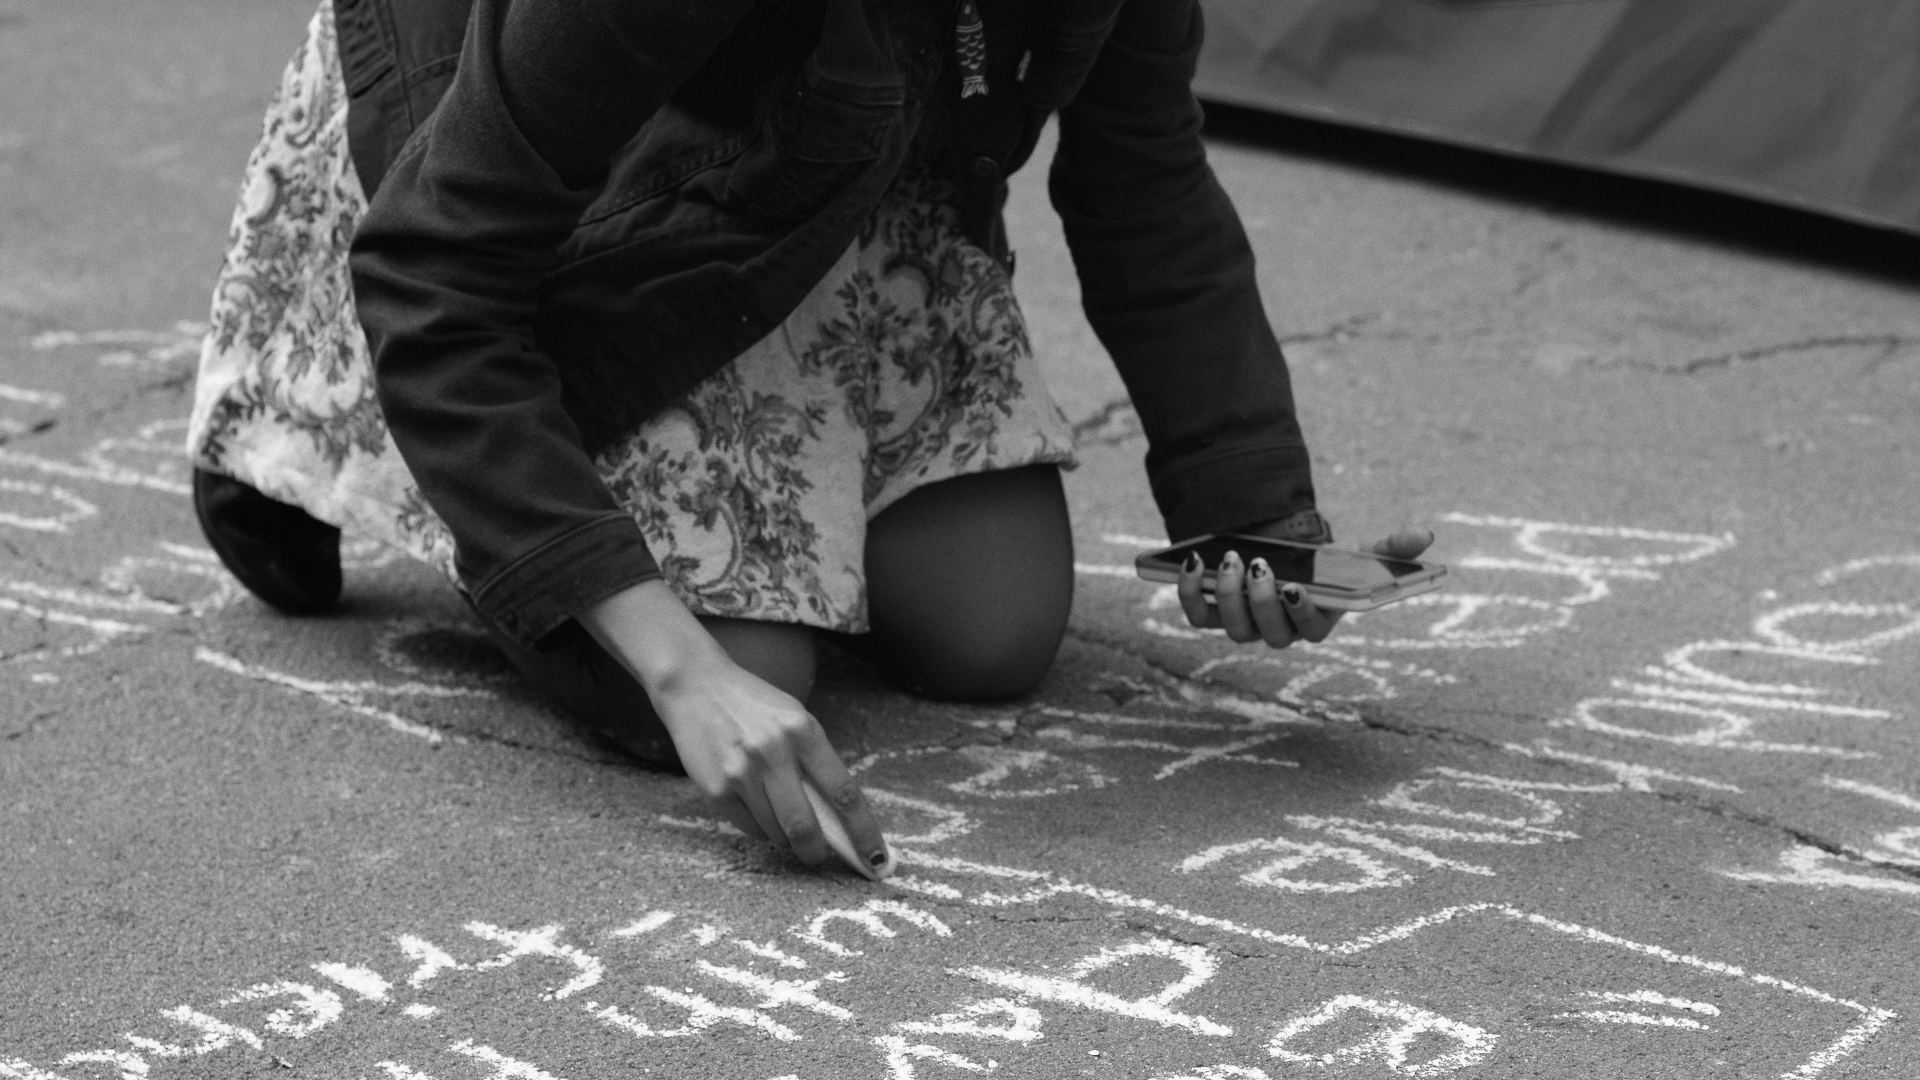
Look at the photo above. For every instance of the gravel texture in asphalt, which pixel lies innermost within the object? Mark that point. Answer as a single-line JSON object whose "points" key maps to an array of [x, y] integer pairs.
{"points": [[1633, 797]]}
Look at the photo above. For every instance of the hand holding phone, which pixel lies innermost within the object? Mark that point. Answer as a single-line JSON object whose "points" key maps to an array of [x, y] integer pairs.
{"points": [[1282, 591]]}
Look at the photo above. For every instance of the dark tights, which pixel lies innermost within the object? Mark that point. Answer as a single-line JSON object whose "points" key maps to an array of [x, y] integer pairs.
{"points": [[969, 583]]}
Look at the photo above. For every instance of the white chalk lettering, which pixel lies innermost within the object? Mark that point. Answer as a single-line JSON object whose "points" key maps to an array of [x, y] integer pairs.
{"points": [[214, 1035], [1411, 852], [312, 1008], [347, 696], [432, 960], [102, 632], [131, 1066], [1640, 1018], [44, 398], [868, 917], [1643, 548], [768, 951], [1393, 1046], [504, 1067], [207, 582], [166, 472], [944, 822], [16, 1069], [1541, 810], [1371, 873], [541, 943], [901, 1055], [1629, 775], [364, 982], [1154, 1008], [776, 993], [702, 1013], [645, 924], [74, 509], [147, 350], [1803, 865], [1021, 1023]]}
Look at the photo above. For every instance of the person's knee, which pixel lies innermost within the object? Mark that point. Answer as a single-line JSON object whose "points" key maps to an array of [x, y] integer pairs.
{"points": [[986, 653], [970, 582], [983, 668]]}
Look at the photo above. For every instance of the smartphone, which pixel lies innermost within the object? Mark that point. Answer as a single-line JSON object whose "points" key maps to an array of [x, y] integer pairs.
{"points": [[1332, 577]]}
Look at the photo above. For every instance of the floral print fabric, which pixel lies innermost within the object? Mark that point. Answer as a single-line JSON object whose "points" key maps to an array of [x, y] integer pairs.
{"points": [[907, 364]]}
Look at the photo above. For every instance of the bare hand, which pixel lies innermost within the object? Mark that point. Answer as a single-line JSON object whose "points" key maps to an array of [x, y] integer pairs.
{"points": [[1250, 605], [741, 739], [748, 744]]}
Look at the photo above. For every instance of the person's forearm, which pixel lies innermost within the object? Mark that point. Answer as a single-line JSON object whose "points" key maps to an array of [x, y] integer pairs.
{"points": [[652, 634], [447, 266]]}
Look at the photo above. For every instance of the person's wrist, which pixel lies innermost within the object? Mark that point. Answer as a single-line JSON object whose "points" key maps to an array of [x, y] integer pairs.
{"points": [[654, 636]]}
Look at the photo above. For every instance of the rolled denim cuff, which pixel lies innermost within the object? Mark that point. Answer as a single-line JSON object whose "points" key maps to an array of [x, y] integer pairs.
{"points": [[542, 591], [1228, 489]]}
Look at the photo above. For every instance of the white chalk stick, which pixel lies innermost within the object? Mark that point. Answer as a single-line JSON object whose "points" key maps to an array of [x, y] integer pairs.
{"points": [[839, 841]]}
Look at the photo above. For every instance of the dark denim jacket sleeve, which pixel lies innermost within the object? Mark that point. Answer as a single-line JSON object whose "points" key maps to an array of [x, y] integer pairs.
{"points": [[1167, 278], [447, 264]]}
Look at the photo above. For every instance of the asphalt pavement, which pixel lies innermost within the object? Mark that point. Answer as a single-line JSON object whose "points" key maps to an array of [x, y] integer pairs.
{"points": [[1634, 797]]}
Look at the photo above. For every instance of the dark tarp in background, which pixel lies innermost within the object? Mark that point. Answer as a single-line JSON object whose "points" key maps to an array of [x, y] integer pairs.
{"points": [[1811, 103]]}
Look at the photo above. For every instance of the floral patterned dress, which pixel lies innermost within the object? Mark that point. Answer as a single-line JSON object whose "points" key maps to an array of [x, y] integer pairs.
{"points": [[906, 365]]}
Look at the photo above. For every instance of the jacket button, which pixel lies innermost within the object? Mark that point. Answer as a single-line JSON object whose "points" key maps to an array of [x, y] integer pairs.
{"points": [[985, 167]]}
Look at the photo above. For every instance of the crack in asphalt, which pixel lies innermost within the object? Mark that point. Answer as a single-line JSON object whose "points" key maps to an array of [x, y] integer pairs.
{"points": [[515, 744], [32, 726], [1120, 645], [1346, 329], [1888, 345], [1187, 938], [1442, 734], [1044, 917], [1088, 432], [175, 384], [69, 576], [38, 428], [1767, 821]]}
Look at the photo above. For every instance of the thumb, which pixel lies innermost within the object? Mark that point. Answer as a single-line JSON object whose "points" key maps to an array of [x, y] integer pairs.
{"points": [[1405, 544]]}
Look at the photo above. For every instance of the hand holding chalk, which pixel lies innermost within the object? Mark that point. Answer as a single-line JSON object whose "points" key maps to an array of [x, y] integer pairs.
{"points": [[747, 743], [840, 842]]}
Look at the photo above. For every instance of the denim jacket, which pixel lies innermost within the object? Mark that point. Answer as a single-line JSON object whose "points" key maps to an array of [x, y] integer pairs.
{"points": [[581, 208]]}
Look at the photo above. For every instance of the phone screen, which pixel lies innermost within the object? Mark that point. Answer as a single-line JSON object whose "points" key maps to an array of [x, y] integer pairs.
{"points": [[1325, 567]]}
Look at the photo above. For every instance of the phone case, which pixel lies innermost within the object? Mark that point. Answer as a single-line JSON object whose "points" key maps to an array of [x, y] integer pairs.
{"points": [[1164, 566]]}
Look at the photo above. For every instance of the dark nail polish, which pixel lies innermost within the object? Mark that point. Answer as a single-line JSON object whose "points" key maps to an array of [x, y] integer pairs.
{"points": [[1193, 562], [878, 858], [1291, 592], [1258, 571]]}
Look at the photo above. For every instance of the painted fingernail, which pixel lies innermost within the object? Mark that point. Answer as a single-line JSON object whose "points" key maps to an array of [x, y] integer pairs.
{"points": [[1291, 592], [1193, 563], [878, 858], [1259, 571]]}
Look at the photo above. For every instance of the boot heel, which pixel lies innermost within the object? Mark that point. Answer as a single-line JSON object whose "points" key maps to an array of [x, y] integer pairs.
{"points": [[282, 554]]}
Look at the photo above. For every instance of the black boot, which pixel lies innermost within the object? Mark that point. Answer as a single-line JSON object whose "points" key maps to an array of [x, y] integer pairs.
{"points": [[284, 555]]}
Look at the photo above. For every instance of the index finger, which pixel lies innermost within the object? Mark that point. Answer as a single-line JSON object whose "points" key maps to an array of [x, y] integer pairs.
{"points": [[845, 805]]}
